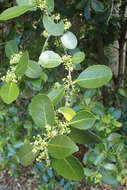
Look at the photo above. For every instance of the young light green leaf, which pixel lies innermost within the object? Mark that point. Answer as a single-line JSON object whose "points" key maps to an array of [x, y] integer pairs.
{"points": [[9, 92], [69, 168], [69, 40], [51, 27], [67, 112], [26, 155], [83, 120], [42, 110], [49, 59], [61, 147], [56, 95], [84, 137], [22, 65], [33, 70], [122, 92], [94, 76], [78, 57], [14, 12], [11, 48]]}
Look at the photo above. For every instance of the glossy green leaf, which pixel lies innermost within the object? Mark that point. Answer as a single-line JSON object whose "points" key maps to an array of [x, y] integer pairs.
{"points": [[33, 70], [84, 137], [14, 12], [78, 57], [9, 92], [22, 65], [11, 48], [83, 120], [69, 40], [26, 155], [69, 168], [50, 59], [94, 76], [56, 95], [42, 110], [61, 147], [51, 27], [67, 112]]}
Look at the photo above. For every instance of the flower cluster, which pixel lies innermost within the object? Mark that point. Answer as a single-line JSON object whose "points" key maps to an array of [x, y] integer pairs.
{"points": [[10, 75], [41, 4], [67, 24], [67, 61], [15, 58], [41, 142]]}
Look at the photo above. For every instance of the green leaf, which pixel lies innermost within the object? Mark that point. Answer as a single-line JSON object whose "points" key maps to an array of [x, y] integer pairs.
{"points": [[68, 113], [11, 48], [69, 168], [56, 95], [33, 70], [109, 178], [84, 137], [14, 12], [123, 92], [69, 40], [49, 59], [26, 155], [109, 166], [78, 57], [42, 110], [114, 137], [9, 92], [61, 147], [50, 5], [22, 65], [97, 6], [94, 76], [83, 120], [25, 2], [51, 27]]}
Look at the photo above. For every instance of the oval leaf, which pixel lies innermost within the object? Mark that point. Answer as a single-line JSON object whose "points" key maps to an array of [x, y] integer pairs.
{"points": [[22, 65], [50, 59], [56, 95], [51, 27], [33, 70], [68, 113], [61, 146], [26, 155], [94, 76], [25, 2], [69, 40], [42, 111], [84, 137], [83, 120], [14, 12], [69, 168], [11, 48], [9, 92], [78, 57]]}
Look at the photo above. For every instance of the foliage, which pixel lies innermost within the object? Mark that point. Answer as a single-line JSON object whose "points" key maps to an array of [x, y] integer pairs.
{"points": [[54, 97]]}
